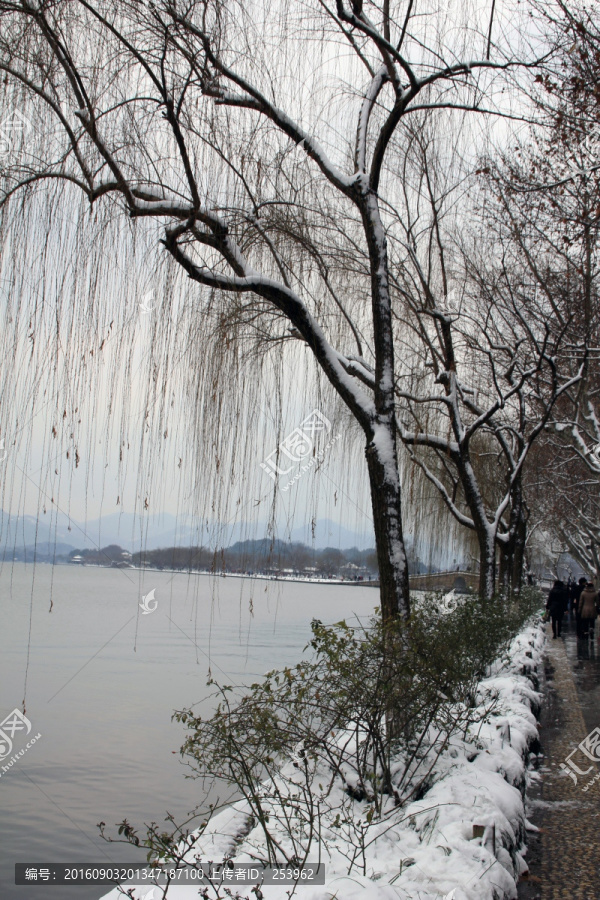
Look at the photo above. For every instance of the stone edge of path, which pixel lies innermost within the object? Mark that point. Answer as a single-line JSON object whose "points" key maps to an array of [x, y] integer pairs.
{"points": [[568, 817]]}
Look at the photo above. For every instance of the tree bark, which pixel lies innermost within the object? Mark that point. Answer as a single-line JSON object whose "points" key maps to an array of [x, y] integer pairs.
{"points": [[381, 452], [389, 540], [519, 557], [487, 563], [486, 535], [512, 552]]}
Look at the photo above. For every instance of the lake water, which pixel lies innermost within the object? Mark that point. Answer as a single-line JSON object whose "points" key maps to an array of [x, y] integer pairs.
{"points": [[100, 682]]}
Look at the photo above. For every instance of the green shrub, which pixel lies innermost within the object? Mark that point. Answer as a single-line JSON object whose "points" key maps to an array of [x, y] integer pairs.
{"points": [[365, 717]]}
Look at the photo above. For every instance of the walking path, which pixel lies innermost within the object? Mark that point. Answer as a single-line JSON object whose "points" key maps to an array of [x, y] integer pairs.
{"points": [[563, 855]]}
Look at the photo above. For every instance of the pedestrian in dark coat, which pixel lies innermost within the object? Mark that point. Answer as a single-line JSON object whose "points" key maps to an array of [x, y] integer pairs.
{"points": [[588, 609], [556, 605], [577, 589]]}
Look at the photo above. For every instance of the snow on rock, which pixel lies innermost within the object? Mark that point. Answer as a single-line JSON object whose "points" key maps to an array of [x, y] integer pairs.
{"points": [[465, 838]]}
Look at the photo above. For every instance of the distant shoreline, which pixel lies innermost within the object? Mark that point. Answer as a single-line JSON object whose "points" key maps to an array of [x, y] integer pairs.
{"points": [[422, 582], [258, 577]]}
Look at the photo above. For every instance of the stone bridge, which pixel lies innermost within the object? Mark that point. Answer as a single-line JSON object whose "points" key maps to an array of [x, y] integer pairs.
{"points": [[461, 582]]}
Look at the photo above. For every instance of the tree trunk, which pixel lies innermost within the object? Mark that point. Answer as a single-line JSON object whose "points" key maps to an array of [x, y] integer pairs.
{"points": [[389, 540], [382, 465], [486, 535], [381, 452], [512, 552], [519, 557], [512, 555], [505, 567], [487, 563]]}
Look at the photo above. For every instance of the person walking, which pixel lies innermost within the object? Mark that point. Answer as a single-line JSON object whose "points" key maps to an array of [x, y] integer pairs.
{"points": [[588, 609], [557, 605], [576, 593]]}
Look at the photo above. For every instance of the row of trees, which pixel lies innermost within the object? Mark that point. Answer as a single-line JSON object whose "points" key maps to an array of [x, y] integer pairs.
{"points": [[246, 556], [564, 484], [448, 297], [243, 556]]}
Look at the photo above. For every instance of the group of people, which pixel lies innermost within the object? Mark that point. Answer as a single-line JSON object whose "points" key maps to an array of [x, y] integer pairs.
{"points": [[580, 597]]}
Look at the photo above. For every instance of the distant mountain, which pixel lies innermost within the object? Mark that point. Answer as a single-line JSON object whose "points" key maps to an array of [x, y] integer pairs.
{"points": [[19, 532], [153, 531], [42, 552]]}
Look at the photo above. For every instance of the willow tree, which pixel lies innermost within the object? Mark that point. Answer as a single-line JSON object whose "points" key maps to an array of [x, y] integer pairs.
{"points": [[263, 137]]}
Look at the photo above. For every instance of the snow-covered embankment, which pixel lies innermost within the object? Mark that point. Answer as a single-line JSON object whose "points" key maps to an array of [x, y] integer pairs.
{"points": [[464, 838]]}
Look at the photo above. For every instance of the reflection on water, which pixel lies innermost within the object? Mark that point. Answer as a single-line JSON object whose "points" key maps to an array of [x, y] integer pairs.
{"points": [[101, 681]]}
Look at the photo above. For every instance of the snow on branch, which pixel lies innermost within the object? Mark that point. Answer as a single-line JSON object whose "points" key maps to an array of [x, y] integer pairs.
{"points": [[338, 369]]}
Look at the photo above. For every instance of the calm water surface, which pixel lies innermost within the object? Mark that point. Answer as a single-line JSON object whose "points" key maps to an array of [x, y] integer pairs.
{"points": [[100, 682]]}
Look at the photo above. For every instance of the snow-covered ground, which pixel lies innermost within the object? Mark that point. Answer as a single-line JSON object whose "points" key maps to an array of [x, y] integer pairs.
{"points": [[429, 849]]}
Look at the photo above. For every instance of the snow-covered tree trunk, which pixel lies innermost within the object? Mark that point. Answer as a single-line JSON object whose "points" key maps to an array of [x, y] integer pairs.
{"points": [[512, 557], [382, 456], [512, 550], [387, 522]]}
